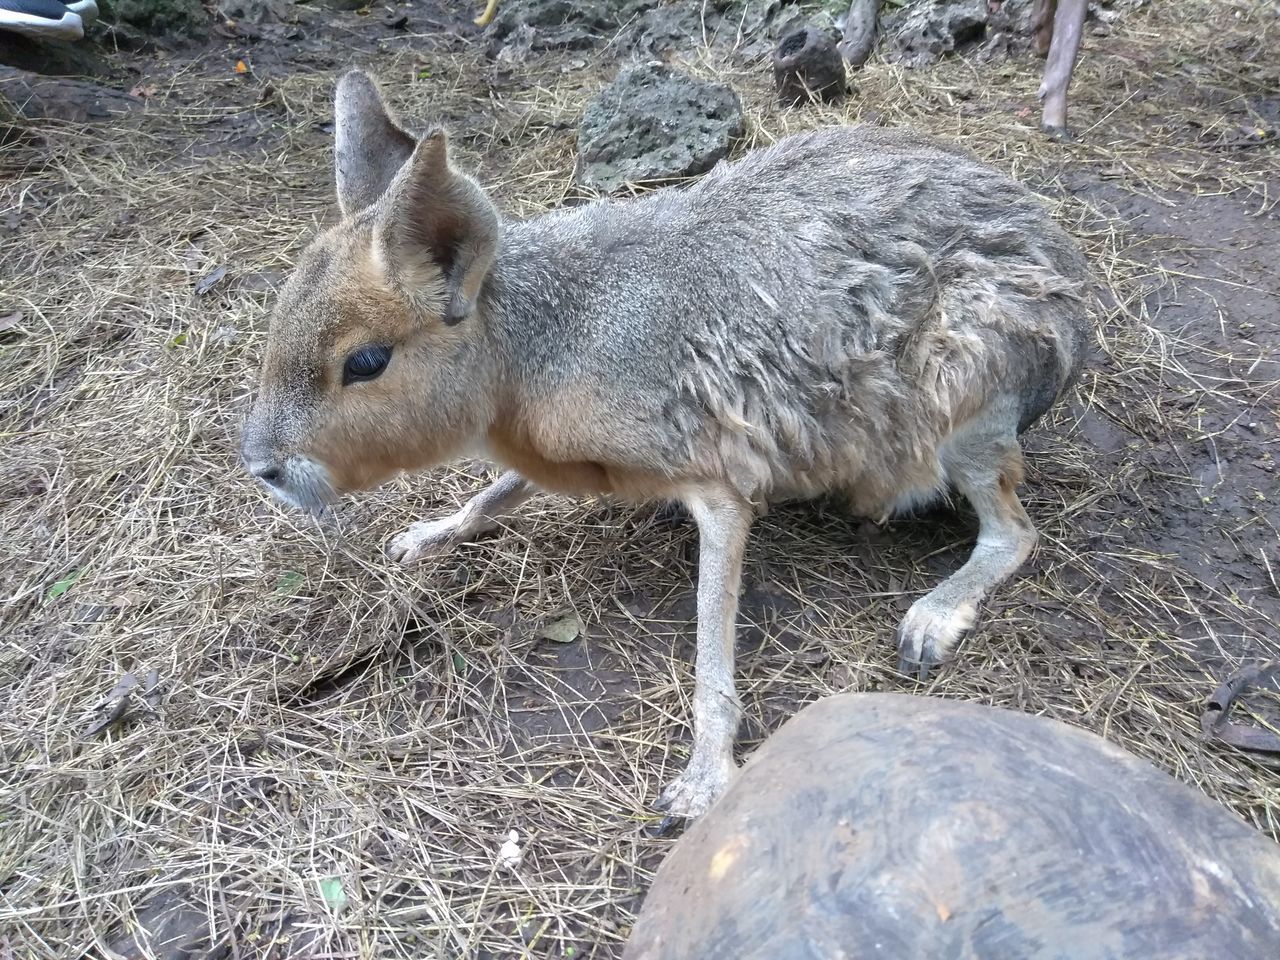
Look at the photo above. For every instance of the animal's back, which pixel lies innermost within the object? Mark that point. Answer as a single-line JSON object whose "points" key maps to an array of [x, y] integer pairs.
{"points": [[819, 315]]}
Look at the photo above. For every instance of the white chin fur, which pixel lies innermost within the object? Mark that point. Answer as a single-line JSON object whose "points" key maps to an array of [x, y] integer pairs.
{"points": [[307, 486]]}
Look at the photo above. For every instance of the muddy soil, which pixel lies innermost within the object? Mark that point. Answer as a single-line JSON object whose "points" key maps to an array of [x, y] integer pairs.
{"points": [[1199, 504]]}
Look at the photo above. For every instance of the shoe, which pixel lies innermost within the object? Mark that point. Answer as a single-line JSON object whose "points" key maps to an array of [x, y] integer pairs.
{"points": [[43, 19], [86, 10]]}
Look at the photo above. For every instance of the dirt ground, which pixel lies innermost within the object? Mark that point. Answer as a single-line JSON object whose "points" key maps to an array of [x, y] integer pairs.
{"points": [[343, 744]]}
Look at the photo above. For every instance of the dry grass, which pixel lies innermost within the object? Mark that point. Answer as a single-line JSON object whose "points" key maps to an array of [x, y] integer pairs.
{"points": [[451, 722]]}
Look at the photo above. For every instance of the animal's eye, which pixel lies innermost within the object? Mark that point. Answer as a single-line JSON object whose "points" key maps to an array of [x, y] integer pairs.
{"points": [[365, 363]]}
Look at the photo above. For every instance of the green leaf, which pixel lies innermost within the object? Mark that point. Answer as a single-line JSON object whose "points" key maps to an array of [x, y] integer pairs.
{"points": [[179, 341], [424, 74], [334, 895], [289, 582], [565, 630], [63, 585], [459, 665]]}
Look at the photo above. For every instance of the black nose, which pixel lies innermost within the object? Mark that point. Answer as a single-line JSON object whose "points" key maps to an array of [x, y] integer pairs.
{"points": [[269, 473]]}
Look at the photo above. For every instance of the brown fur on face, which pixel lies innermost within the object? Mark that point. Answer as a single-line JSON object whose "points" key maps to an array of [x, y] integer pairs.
{"points": [[402, 271], [339, 300]]}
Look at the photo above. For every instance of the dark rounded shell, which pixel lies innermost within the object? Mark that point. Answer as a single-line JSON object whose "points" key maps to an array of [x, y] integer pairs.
{"points": [[912, 828]]}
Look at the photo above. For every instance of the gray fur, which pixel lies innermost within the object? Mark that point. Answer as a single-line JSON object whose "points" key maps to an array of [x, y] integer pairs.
{"points": [[809, 319], [854, 310]]}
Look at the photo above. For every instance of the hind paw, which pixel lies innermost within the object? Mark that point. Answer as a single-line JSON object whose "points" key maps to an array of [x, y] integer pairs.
{"points": [[693, 792]]}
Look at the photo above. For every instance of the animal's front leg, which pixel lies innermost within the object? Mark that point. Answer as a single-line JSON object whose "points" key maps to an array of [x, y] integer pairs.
{"points": [[724, 520], [480, 514]]}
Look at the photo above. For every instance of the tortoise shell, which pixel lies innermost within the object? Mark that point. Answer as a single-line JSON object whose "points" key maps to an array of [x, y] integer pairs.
{"points": [[904, 827]]}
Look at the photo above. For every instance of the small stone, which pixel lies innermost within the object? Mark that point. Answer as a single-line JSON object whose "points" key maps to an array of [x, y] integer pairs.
{"points": [[509, 855], [808, 66]]}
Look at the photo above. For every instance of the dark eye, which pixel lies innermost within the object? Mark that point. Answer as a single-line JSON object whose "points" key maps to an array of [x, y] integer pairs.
{"points": [[365, 364]]}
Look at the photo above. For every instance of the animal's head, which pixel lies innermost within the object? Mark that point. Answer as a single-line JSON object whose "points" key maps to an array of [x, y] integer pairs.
{"points": [[375, 360]]}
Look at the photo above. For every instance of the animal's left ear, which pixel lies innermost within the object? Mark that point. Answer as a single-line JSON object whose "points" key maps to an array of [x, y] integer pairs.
{"points": [[437, 220]]}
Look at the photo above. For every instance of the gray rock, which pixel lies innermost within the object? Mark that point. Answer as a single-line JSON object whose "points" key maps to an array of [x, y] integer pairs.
{"points": [[121, 36], [342, 5], [924, 32], [174, 18], [666, 28], [807, 66], [257, 11], [654, 124], [539, 25], [1009, 31], [517, 45]]}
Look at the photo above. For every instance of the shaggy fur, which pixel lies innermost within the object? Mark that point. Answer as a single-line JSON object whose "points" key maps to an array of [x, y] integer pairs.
{"points": [[854, 310]]}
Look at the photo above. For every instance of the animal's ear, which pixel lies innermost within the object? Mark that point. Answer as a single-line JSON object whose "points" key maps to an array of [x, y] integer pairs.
{"points": [[369, 146], [436, 220]]}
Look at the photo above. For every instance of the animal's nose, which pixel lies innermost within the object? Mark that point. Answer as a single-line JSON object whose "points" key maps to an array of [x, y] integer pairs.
{"points": [[271, 473]]}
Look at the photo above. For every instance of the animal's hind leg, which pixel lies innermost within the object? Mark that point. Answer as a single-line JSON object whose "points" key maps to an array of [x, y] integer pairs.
{"points": [[987, 469]]}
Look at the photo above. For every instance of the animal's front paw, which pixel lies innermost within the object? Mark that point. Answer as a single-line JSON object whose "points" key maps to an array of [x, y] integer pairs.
{"points": [[693, 792], [426, 538], [929, 633]]}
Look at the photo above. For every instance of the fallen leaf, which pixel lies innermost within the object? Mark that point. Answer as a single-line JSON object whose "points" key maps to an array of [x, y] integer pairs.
{"points": [[289, 582], [11, 321], [112, 714], [334, 895], [151, 694], [565, 630], [113, 706], [143, 91], [210, 280], [241, 67], [127, 598], [63, 585]]}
